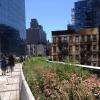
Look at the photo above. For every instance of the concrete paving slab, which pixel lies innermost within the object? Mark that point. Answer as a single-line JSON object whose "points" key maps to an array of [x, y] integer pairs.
{"points": [[9, 85]]}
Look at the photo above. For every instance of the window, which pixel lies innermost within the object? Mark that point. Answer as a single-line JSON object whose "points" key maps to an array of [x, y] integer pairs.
{"points": [[94, 38], [88, 38], [94, 47], [77, 48], [70, 39], [65, 46], [94, 56], [70, 57], [31, 51], [54, 58], [83, 38], [77, 57], [54, 49], [76, 39], [59, 39], [70, 48], [65, 39], [94, 64], [54, 39]]}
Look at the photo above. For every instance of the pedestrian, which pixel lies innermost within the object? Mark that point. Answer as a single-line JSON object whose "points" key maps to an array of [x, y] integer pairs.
{"points": [[8, 69], [11, 63], [21, 59], [3, 65]]}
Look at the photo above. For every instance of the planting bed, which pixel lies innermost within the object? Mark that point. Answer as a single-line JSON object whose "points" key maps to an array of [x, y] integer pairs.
{"points": [[52, 81]]}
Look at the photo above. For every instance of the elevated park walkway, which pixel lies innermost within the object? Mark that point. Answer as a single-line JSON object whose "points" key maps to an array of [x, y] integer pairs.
{"points": [[15, 87]]}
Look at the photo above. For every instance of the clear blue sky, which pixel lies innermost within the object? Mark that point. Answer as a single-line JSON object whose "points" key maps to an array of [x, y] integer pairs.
{"points": [[51, 14]]}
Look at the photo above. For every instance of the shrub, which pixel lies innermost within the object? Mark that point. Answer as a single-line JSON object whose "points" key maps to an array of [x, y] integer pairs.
{"points": [[53, 81]]}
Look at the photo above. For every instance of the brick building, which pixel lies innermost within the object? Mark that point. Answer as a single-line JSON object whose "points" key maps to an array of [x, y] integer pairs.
{"points": [[81, 46]]}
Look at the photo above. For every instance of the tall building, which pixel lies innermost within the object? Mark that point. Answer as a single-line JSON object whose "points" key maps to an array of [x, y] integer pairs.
{"points": [[12, 26], [36, 39], [36, 34], [86, 14], [12, 14], [81, 46]]}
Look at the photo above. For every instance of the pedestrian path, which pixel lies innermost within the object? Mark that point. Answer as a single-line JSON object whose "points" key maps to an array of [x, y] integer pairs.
{"points": [[10, 85]]}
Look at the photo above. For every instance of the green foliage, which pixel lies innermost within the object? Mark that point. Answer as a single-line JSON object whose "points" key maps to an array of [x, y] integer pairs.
{"points": [[53, 81]]}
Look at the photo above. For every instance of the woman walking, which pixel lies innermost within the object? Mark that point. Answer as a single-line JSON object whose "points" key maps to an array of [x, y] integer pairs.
{"points": [[11, 63], [3, 65]]}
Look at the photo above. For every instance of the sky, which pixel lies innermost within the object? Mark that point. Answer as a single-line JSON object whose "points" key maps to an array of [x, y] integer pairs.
{"points": [[51, 14]]}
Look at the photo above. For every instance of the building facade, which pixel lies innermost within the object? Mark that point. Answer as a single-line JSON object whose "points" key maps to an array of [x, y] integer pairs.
{"points": [[36, 34], [36, 39], [36, 49], [12, 26], [12, 14], [86, 14], [80, 46]]}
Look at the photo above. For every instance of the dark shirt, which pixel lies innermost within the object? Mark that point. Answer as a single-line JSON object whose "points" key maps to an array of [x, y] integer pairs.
{"points": [[11, 61], [3, 64]]}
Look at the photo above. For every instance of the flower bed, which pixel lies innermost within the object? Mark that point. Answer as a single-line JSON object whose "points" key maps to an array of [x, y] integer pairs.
{"points": [[52, 81]]}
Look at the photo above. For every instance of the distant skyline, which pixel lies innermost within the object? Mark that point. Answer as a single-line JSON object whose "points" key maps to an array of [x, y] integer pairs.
{"points": [[51, 14]]}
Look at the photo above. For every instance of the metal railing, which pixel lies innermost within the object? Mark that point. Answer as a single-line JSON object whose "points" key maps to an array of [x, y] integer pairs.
{"points": [[78, 65]]}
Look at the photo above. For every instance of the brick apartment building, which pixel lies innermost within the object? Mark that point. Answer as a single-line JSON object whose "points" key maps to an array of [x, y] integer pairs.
{"points": [[81, 46]]}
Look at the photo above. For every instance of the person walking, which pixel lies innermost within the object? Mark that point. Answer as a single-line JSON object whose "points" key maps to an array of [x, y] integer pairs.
{"points": [[3, 65], [8, 69], [21, 59], [11, 63]]}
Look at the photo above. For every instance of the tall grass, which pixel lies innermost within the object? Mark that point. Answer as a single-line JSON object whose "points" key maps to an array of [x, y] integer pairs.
{"points": [[53, 81]]}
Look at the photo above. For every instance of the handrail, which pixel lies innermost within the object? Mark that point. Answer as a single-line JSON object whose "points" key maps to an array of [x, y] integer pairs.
{"points": [[83, 66], [89, 67]]}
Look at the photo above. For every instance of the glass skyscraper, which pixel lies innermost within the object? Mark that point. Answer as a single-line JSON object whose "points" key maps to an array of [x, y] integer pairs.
{"points": [[12, 14], [86, 14]]}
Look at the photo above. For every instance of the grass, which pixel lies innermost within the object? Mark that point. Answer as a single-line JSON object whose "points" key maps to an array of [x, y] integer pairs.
{"points": [[53, 81]]}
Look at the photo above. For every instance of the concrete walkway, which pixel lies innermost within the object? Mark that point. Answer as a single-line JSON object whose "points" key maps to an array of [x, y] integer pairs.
{"points": [[10, 85]]}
